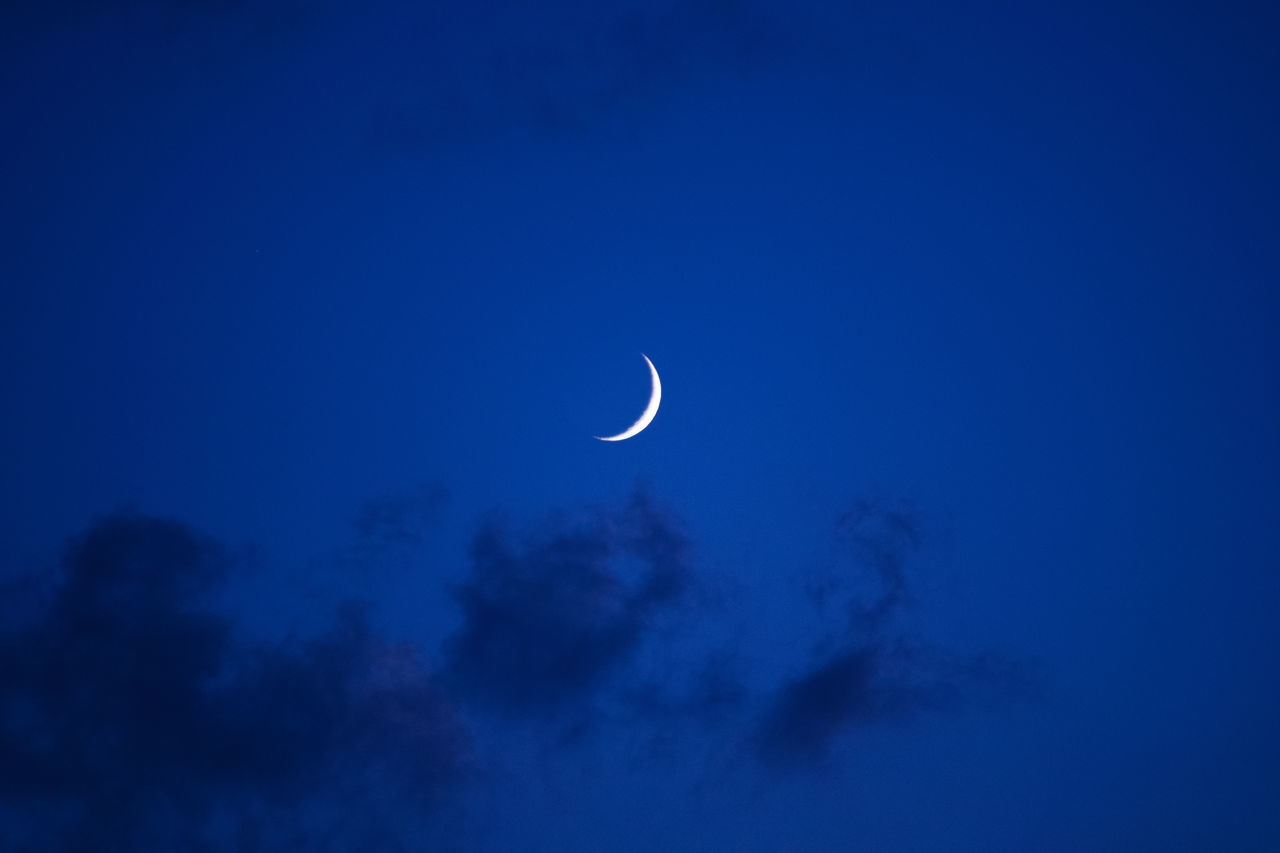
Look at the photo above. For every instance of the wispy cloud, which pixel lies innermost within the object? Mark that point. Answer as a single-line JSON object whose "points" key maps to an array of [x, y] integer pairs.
{"points": [[873, 670], [546, 622]]}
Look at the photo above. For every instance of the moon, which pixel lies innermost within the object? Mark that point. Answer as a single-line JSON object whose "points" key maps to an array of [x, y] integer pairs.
{"points": [[646, 417]]}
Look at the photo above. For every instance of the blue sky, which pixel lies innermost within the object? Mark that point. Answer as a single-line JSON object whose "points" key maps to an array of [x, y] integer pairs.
{"points": [[957, 528]]}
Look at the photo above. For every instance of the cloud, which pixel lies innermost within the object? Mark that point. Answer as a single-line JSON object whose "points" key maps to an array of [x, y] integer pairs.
{"points": [[812, 709], [133, 708], [546, 622], [882, 537], [872, 672], [567, 67], [130, 711], [445, 74], [398, 519]]}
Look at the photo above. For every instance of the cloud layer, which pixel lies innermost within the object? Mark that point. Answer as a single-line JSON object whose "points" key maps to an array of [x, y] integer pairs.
{"points": [[133, 708], [132, 718]]}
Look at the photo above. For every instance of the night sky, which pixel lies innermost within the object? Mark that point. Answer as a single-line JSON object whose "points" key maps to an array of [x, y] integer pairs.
{"points": [[958, 527]]}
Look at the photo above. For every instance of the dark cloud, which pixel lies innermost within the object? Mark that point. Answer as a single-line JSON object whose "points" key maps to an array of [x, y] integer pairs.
{"points": [[861, 684], [133, 709], [132, 717], [812, 709], [548, 621], [870, 672]]}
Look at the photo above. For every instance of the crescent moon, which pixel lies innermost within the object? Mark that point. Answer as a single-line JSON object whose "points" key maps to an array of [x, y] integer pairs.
{"points": [[655, 397]]}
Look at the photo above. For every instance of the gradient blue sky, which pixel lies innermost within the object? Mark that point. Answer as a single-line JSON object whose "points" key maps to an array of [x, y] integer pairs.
{"points": [[349, 287]]}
